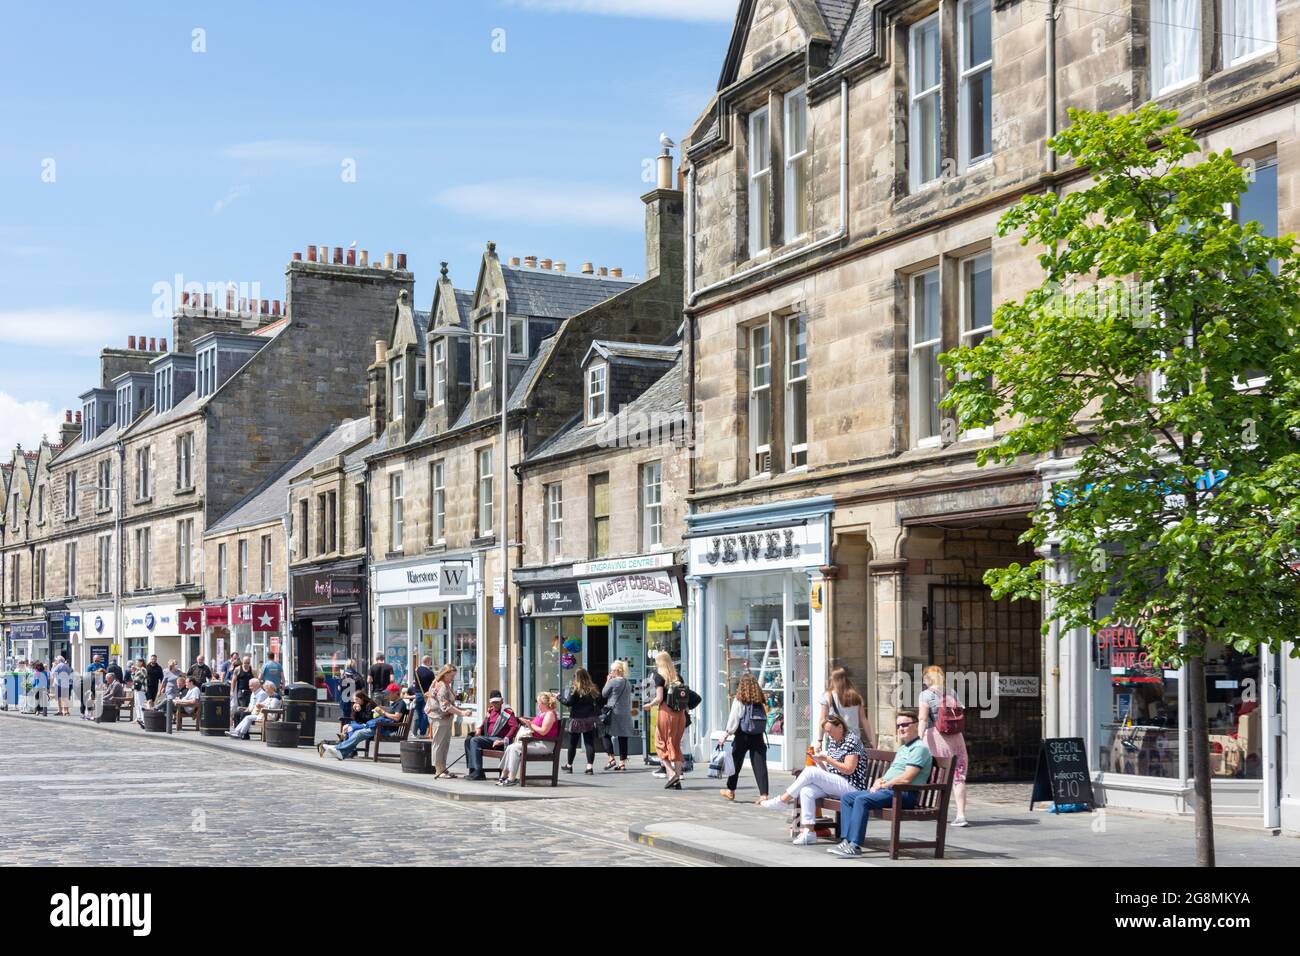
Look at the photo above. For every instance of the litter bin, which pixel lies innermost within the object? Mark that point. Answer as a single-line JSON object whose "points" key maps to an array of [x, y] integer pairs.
{"points": [[214, 709], [300, 708], [155, 721], [281, 733]]}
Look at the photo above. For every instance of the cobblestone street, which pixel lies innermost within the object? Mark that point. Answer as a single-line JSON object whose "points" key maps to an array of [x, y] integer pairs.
{"points": [[177, 805]]}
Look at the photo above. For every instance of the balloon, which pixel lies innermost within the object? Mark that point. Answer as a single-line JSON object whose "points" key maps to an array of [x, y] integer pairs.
{"points": [[567, 661]]}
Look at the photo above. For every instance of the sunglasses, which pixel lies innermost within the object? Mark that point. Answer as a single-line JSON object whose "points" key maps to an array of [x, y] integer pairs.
{"points": [[908, 723]]}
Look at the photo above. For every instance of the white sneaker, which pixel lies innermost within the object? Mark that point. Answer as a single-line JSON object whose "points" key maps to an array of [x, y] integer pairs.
{"points": [[837, 846], [333, 752], [661, 774], [959, 822], [776, 803], [805, 838]]}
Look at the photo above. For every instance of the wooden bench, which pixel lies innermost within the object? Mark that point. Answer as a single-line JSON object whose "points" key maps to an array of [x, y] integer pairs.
{"points": [[271, 713], [390, 734], [931, 804], [553, 758]]}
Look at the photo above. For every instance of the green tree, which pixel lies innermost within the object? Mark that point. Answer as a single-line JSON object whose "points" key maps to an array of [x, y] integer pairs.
{"points": [[1156, 309]]}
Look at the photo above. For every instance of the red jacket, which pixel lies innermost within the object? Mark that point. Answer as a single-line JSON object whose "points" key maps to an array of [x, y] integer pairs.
{"points": [[500, 723]]}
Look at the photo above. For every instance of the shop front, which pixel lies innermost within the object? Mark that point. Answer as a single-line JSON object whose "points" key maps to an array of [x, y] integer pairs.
{"points": [[755, 607], [155, 629], [329, 625], [90, 626], [591, 614], [29, 640], [432, 609]]}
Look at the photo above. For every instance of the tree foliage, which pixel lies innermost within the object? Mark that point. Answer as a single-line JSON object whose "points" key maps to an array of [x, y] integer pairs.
{"points": [[1156, 306]]}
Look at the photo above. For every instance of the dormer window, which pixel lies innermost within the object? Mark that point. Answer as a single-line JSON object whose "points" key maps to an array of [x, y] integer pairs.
{"points": [[421, 380], [206, 381], [484, 329], [162, 389], [87, 421], [597, 391], [518, 337], [124, 405], [399, 393], [440, 372]]}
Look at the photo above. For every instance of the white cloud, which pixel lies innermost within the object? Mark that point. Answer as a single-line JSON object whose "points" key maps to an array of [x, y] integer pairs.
{"points": [[24, 423], [546, 203], [79, 330], [719, 11], [294, 152], [232, 194]]}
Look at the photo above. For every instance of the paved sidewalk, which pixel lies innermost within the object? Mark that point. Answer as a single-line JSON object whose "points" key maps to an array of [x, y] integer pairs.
{"points": [[698, 824]]}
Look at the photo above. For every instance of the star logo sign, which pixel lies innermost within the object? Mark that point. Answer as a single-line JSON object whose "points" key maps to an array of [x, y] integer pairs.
{"points": [[265, 619], [189, 624]]}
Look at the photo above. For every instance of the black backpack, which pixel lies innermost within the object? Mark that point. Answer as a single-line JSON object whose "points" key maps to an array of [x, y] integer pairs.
{"points": [[677, 696], [754, 719]]}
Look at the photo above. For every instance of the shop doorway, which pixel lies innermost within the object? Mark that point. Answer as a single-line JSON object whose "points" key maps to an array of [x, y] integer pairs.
{"points": [[973, 637]]}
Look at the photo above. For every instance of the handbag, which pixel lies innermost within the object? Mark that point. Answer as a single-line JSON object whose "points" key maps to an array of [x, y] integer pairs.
{"points": [[718, 761]]}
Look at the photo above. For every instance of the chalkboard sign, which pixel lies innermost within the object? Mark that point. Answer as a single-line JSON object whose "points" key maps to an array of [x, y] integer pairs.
{"points": [[1062, 775]]}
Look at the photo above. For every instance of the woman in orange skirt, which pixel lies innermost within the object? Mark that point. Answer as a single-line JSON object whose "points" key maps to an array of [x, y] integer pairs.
{"points": [[671, 724]]}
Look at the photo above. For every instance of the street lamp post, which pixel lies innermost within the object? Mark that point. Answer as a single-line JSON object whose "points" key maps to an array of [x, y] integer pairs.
{"points": [[503, 668]]}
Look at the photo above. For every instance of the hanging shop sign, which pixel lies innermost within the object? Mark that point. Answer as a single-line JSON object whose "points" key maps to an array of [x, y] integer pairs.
{"points": [[796, 547], [190, 620], [216, 614], [265, 616], [630, 592]]}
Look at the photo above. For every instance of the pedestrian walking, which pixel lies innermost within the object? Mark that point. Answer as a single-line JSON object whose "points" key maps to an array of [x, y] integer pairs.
{"points": [[171, 674], [199, 673], [241, 681], [842, 699], [40, 688], [617, 714], [115, 669], [441, 709], [839, 769], [140, 686], [424, 678], [538, 735], [272, 670], [747, 723], [61, 674], [943, 724], [380, 676], [671, 699], [584, 701]]}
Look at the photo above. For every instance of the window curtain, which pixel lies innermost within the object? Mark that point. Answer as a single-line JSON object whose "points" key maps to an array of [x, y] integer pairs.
{"points": [[1249, 26], [1175, 42]]}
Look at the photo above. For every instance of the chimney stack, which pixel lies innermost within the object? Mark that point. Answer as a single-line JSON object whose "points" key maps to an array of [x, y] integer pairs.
{"points": [[352, 257], [401, 262], [130, 342], [338, 255], [545, 264], [616, 273], [530, 262], [311, 253], [297, 257], [587, 269], [153, 344], [365, 257], [207, 301], [388, 261], [275, 306], [559, 267], [162, 345], [67, 415], [514, 261], [664, 170], [604, 272]]}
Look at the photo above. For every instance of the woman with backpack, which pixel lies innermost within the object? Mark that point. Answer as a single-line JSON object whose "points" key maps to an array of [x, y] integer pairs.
{"points": [[842, 700], [940, 712], [838, 769], [748, 722], [584, 701], [671, 697]]}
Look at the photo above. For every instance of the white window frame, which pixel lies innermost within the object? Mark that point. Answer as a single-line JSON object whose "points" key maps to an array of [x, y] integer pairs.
{"points": [[40, 505], [652, 505], [185, 462], [916, 97], [104, 564], [914, 350], [221, 569], [796, 376], [104, 487], [438, 502], [796, 200], [70, 493], [70, 567], [597, 392], [241, 566], [421, 380], [38, 589], [760, 150], [972, 335], [554, 522], [760, 392], [396, 376], [966, 73], [439, 372], [266, 563], [486, 498], [184, 546], [143, 558], [1161, 25], [143, 473], [1261, 45], [396, 519], [484, 342]]}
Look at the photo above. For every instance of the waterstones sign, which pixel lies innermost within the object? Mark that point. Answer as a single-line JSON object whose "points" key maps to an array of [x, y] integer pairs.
{"points": [[630, 592], [449, 579], [795, 547]]}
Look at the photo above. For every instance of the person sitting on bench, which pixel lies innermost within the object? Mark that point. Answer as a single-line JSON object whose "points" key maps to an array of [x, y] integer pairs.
{"points": [[256, 695], [912, 764], [361, 710], [188, 701], [372, 728], [113, 692], [499, 727], [541, 734], [257, 714], [838, 770]]}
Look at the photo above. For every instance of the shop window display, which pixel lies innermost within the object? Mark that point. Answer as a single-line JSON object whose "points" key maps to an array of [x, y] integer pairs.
{"points": [[331, 650], [396, 647], [1232, 700], [557, 650]]}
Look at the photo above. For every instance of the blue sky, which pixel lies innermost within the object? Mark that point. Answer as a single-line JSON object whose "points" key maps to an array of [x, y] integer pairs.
{"points": [[127, 157]]}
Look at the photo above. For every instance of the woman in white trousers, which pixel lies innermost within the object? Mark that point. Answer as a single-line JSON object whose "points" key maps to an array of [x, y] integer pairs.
{"points": [[839, 769]]}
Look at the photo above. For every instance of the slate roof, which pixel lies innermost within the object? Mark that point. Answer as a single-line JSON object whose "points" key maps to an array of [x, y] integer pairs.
{"points": [[856, 36], [464, 302], [636, 351], [421, 321], [665, 396], [271, 500], [520, 393], [547, 294]]}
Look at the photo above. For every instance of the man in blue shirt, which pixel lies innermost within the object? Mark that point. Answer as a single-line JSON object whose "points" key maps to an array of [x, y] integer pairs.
{"points": [[272, 671], [911, 764]]}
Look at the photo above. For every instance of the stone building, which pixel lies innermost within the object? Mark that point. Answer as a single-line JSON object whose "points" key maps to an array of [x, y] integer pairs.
{"points": [[172, 440], [843, 189], [604, 509], [435, 475]]}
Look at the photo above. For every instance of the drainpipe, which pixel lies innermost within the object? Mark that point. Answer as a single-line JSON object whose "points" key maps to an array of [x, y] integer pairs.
{"points": [[1053, 708], [1050, 106], [692, 293]]}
